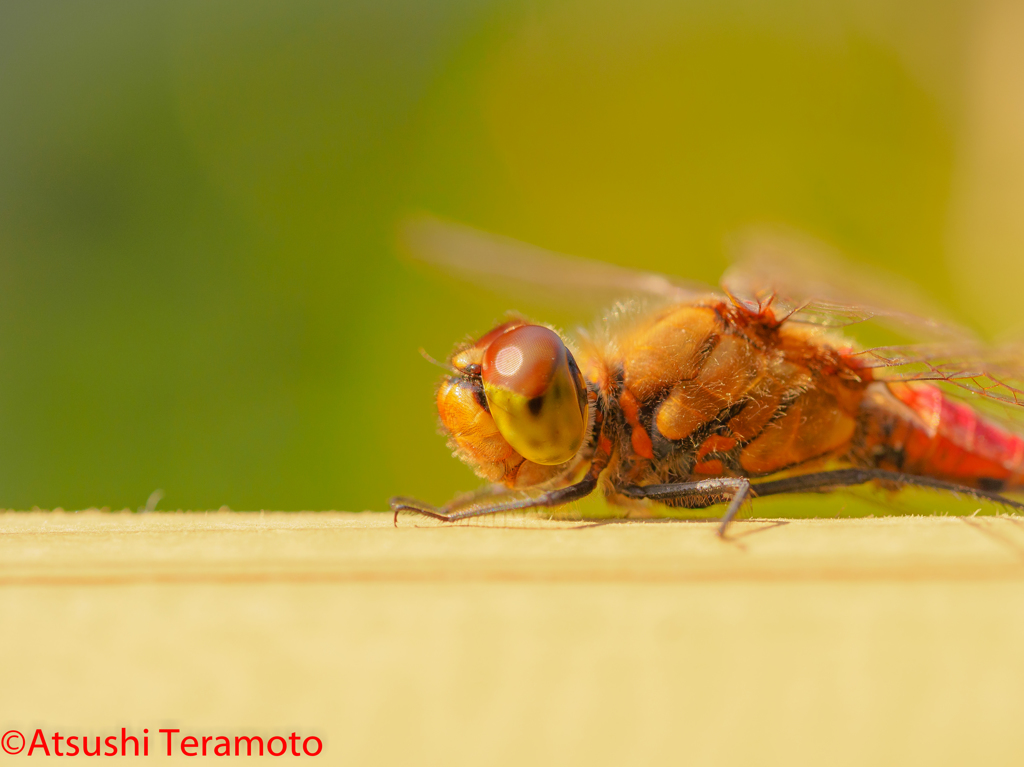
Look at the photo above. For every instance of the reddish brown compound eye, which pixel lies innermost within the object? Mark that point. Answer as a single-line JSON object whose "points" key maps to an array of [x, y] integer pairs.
{"points": [[535, 393], [468, 360], [492, 335], [523, 360]]}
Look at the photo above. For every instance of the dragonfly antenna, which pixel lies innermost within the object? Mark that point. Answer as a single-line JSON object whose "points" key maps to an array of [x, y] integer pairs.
{"points": [[432, 361]]}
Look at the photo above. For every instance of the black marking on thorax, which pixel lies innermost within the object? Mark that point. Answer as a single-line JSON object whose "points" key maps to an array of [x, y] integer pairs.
{"points": [[614, 426], [599, 419], [680, 455]]}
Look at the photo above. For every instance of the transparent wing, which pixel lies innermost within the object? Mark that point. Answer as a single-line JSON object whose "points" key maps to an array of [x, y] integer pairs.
{"points": [[812, 284], [513, 267], [800, 277], [991, 379]]}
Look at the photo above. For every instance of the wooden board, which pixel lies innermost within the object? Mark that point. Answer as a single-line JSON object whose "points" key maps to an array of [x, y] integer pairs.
{"points": [[521, 641]]}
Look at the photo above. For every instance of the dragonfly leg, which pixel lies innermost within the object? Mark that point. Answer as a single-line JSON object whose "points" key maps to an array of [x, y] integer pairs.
{"points": [[699, 494], [470, 506], [832, 480], [465, 499]]}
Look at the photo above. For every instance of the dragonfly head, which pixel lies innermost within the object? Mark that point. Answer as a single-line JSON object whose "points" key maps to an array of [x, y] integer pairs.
{"points": [[524, 379]]}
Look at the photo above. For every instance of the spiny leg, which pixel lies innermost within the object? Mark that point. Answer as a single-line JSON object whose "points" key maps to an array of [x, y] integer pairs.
{"points": [[465, 499], [462, 508], [833, 480], [709, 491], [706, 492]]}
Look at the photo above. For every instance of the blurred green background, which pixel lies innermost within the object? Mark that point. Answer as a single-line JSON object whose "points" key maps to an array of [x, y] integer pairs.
{"points": [[200, 289]]}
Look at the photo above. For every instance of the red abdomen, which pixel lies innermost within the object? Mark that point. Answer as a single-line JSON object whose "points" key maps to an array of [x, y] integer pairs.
{"points": [[947, 440]]}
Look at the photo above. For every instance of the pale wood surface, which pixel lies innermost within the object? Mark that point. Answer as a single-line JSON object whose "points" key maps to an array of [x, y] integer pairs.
{"points": [[520, 641]]}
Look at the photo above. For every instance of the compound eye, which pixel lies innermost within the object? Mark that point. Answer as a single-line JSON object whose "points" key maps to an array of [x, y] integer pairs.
{"points": [[536, 394]]}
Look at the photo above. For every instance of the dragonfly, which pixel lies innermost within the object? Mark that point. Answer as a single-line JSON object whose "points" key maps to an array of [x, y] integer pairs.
{"points": [[689, 397]]}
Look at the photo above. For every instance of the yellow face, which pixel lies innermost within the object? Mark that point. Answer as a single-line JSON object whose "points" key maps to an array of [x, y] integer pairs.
{"points": [[530, 392]]}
